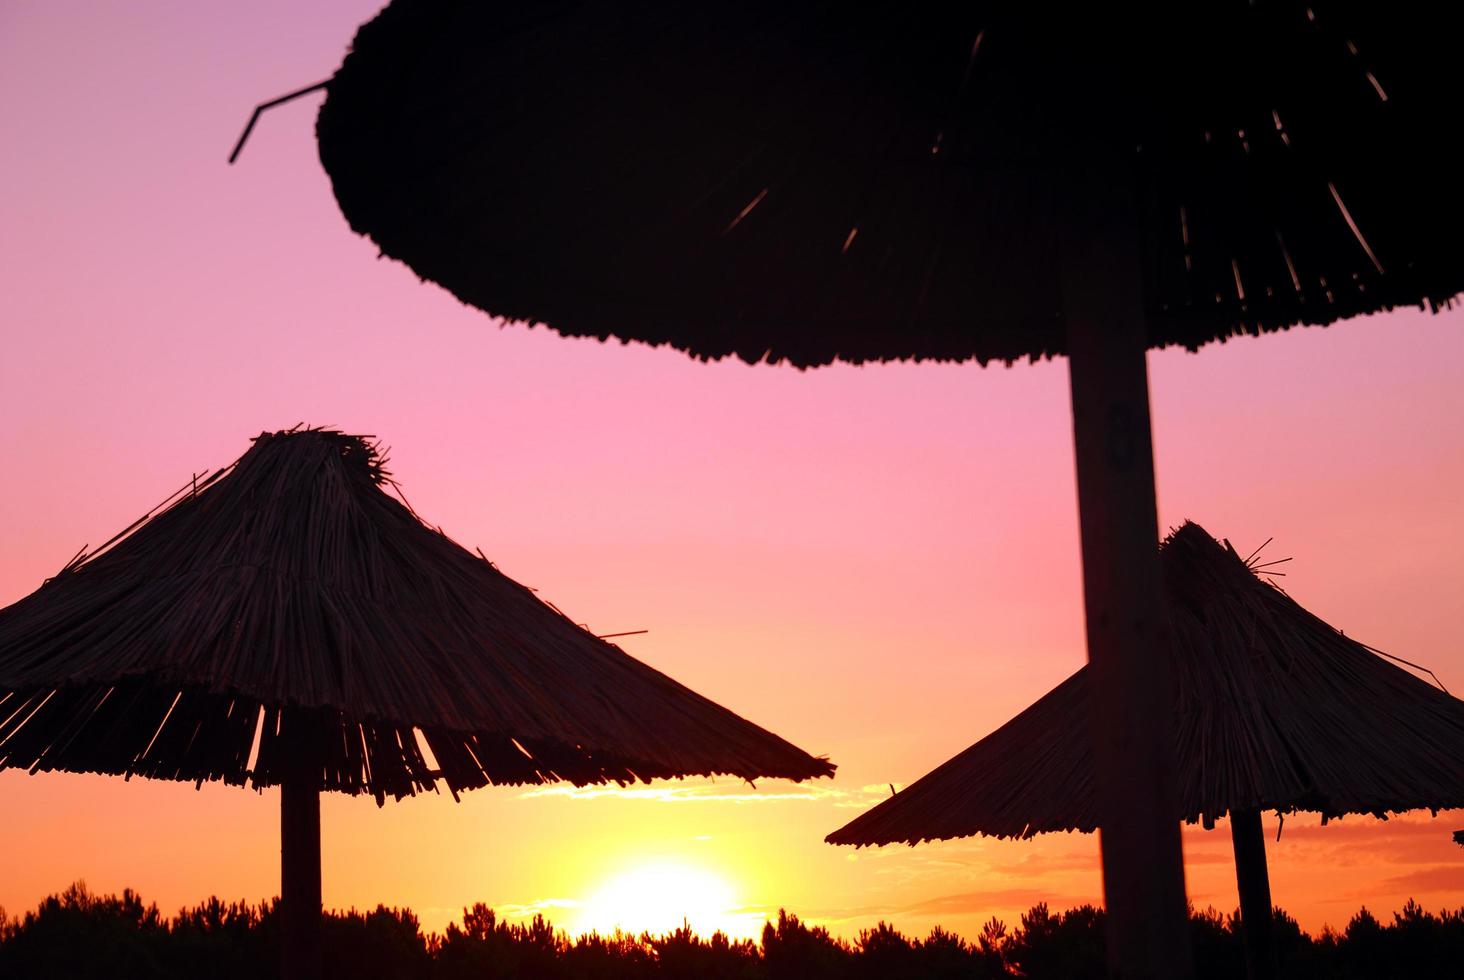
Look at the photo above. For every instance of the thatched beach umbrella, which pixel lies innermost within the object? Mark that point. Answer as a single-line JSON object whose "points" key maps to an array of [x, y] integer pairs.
{"points": [[287, 622], [805, 182], [1276, 711]]}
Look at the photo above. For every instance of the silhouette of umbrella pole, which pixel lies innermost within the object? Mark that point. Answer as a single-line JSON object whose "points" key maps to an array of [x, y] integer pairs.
{"points": [[287, 622], [810, 182]]}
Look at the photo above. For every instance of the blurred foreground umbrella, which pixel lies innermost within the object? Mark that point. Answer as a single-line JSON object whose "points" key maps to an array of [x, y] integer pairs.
{"points": [[804, 182], [1276, 710], [287, 622]]}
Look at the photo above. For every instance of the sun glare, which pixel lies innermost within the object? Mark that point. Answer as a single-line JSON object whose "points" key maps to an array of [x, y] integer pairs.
{"points": [[657, 898]]}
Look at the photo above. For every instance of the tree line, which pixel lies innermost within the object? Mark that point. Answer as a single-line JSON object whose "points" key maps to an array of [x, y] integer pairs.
{"points": [[77, 935]]}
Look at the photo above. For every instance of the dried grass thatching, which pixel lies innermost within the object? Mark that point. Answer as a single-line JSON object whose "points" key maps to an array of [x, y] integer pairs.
{"points": [[808, 181], [288, 611], [1276, 710]]}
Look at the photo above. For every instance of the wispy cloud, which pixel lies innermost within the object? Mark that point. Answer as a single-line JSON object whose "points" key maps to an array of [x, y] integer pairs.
{"points": [[1443, 878], [1038, 863], [541, 906], [1369, 829], [967, 903], [979, 902], [869, 795], [707, 792]]}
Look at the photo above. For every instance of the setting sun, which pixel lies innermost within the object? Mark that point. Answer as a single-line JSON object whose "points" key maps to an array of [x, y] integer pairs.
{"points": [[659, 897]]}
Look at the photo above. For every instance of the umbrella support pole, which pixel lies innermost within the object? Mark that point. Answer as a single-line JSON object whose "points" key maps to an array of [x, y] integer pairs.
{"points": [[300, 955], [1254, 884], [1127, 629]]}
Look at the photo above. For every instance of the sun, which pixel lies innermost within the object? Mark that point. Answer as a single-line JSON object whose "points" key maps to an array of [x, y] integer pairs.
{"points": [[659, 897]]}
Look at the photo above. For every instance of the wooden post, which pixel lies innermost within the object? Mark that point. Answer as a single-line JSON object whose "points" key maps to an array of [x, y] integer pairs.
{"points": [[300, 880], [1254, 884], [1127, 628]]}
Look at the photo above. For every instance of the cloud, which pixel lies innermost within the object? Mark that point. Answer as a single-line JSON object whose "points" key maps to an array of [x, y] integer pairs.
{"points": [[683, 793], [967, 903], [1367, 828], [1441, 878], [1038, 863], [870, 795], [983, 902], [1410, 849], [709, 792], [540, 906]]}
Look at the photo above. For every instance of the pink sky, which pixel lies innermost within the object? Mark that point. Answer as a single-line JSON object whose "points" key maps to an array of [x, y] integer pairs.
{"points": [[878, 563]]}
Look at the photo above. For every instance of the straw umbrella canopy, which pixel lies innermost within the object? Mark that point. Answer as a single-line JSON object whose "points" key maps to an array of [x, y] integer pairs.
{"points": [[286, 621], [804, 182], [813, 181], [1276, 710]]}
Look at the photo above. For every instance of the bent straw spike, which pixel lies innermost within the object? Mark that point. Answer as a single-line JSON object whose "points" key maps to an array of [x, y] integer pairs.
{"points": [[254, 116]]}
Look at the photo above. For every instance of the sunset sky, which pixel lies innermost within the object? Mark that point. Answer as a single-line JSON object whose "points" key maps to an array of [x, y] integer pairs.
{"points": [[879, 564]]}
